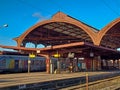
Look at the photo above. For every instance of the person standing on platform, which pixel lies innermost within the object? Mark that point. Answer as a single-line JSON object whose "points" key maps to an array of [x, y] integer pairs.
{"points": [[79, 67], [71, 67]]}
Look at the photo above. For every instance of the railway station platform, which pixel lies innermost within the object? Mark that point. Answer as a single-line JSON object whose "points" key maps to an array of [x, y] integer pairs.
{"points": [[44, 81]]}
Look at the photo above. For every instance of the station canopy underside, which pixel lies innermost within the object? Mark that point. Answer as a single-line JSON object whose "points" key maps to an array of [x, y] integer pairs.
{"points": [[60, 33], [111, 39], [80, 49], [57, 33], [83, 49]]}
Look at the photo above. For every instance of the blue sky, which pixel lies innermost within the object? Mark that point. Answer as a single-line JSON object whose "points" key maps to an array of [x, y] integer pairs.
{"points": [[20, 15]]}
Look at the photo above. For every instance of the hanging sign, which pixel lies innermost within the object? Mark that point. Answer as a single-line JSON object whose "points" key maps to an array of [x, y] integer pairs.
{"points": [[71, 55], [56, 55], [32, 55]]}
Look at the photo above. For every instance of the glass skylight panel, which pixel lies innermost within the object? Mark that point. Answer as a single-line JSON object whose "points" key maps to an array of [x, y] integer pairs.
{"points": [[58, 29], [63, 27], [65, 32], [55, 24], [73, 34], [69, 26], [48, 27], [78, 36]]}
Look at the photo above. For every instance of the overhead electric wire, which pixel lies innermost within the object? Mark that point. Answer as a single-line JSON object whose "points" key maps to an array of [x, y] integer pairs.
{"points": [[107, 5], [58, 5], [30, 5], [118, 4]]}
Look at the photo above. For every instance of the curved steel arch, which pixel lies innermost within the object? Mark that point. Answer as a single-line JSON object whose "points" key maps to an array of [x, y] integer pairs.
{"points": [[102, 32], [59, 17]]}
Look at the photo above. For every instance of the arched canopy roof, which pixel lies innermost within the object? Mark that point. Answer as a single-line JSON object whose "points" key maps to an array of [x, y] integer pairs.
{"points": [[60, 29], [109, 36], [66, 31]]}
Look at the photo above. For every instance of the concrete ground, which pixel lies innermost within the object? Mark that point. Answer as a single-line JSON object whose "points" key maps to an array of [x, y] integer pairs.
{"points": [[34, 77]]}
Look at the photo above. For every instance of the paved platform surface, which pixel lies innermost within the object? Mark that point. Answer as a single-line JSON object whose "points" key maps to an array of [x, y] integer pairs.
{"points": [[27, 78]]}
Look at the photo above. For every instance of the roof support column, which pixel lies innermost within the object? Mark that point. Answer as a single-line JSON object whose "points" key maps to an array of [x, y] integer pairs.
{"points": [[119, 63], [18, 42], [47, 61]]}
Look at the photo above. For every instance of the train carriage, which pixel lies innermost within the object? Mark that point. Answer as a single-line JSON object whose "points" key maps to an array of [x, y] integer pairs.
{"points": [[17, 63]]}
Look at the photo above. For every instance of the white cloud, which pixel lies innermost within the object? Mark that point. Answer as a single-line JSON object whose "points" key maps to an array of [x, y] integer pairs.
{"points": [[39, 16]]}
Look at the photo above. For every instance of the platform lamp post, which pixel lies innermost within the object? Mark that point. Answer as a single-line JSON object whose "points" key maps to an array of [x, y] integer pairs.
{"points": [[71, 56], [57, 55], [87, 79], [29, 61], [5, 25], [92, 56]]}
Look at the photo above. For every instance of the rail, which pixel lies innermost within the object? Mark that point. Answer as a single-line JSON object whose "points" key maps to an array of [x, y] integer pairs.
{"points": [[110, 82]]}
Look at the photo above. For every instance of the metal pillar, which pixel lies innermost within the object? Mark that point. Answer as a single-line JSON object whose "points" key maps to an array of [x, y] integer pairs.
{"points": [[29, 62], [48, 65], [87, 81]]}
